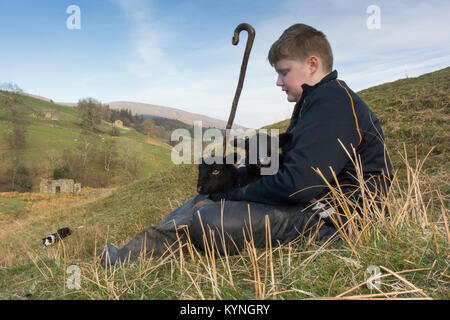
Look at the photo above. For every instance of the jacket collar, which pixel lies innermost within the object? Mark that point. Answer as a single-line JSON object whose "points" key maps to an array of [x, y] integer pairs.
{"points": [[307, 89]]}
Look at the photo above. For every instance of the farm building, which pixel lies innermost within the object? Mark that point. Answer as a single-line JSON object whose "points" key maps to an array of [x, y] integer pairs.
{"points": [[118, 123], [48, 114], [59, 186]]}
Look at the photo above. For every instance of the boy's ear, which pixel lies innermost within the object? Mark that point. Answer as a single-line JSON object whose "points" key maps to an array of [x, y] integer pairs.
{"points": [[314, 63]]}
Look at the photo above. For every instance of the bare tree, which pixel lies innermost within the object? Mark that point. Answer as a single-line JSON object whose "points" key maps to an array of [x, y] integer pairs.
{"points": [[14, 175], [132, 163], [90, 112], [11, 86], [109, 156], [15, 137]]}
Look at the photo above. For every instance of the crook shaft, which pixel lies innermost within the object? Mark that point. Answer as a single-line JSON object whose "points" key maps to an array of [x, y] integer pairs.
{"points": [[248, 48]]}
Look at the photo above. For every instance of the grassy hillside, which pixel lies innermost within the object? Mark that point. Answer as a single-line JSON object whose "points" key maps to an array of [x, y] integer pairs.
{"points": [[411, 249], [55, 136]]}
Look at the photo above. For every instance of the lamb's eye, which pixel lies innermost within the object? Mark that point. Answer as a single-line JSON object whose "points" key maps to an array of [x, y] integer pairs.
{"points": [[215, 172]]}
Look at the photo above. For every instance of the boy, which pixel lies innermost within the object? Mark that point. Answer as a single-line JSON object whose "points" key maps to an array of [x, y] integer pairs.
{"points": [[327, 118]]}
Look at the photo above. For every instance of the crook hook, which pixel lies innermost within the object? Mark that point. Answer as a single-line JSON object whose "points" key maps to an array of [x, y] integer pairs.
{"points": [[251, 36]]}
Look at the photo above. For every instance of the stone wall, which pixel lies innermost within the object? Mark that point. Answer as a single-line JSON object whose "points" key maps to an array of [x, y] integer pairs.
{"points": [[49, 114], [59, 186]]}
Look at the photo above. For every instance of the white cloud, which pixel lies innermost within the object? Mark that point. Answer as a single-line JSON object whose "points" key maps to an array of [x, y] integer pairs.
{"points": [[150, 37]]}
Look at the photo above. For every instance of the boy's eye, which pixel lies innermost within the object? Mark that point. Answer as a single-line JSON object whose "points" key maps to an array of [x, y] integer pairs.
{"points": [[215, 172]]}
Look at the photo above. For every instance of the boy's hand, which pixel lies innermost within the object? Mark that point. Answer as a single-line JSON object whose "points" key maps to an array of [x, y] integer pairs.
{"points": [[233, 194], [218, 196]]}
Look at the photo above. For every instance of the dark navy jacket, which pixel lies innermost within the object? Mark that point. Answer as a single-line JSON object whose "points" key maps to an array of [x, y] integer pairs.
{"points": [[327, 113]]}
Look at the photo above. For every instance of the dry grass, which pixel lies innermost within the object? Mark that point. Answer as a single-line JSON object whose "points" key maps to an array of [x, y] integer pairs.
{"points": [[38, 209], [407, 238]]}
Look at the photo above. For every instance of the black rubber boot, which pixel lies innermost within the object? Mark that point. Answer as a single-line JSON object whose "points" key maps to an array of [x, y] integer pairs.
{"points": [[108, 256]]}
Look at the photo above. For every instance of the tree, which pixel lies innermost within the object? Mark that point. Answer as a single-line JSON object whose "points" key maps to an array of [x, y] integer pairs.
{"points": [[91, 112], [11, 86], [94, 161], [148, 128], [15, 176], [106, 113], [78, 161], [109, 155], [15, 137], [131, 165], [23, 180], [115, 132], [61, 173]]}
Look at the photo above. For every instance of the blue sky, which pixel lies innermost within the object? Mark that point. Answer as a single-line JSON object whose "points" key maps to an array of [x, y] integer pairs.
{"points": [[179, 53]]}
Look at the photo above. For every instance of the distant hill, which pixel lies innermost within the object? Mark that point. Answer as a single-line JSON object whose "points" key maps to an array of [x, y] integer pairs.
{"points": [[168, 124], [165, 112], [170, 113]]}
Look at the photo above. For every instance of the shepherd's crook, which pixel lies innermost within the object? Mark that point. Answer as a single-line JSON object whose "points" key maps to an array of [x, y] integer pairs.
{"points": [[248, 48]]}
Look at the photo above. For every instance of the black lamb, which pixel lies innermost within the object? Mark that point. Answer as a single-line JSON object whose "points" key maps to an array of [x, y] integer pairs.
{"points": [[217, 177]]}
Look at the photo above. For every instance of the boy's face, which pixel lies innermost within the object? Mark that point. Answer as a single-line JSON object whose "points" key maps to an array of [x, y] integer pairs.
{"points": [[292, 74]]}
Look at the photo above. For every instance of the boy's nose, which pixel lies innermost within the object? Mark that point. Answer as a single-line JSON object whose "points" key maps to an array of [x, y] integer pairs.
{"points": [[279, 81]]}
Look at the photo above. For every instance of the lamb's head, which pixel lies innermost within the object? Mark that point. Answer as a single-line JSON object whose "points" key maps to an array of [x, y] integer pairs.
{"points": [[216, 177]]}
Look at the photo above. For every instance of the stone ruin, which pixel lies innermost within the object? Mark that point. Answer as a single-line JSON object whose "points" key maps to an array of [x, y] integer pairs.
{"points": [[59, 186], [48, 114], [118, 123]]}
